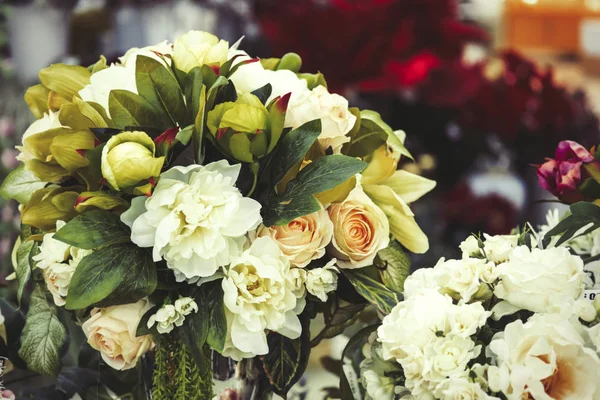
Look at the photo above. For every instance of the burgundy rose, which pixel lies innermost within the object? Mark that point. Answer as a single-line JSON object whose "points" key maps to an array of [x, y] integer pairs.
{"points": [[569, 150]]}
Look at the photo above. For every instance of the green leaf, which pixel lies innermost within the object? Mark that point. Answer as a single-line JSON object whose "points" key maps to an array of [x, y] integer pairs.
{"points": [[117, 274], [193, 85], [142, 328], [281, 212], [337, 317], [159, 87], [324, 174], [185, 135], [590, 188], [199, 126], [130, 109], [582, 214], [20, 185], [93, 230], [351, 356], [42, 336], [374, 292], [239, 145], [393, 264], [276, 121], [287, 359], [292, 148], [263, 93], [23, 267]]}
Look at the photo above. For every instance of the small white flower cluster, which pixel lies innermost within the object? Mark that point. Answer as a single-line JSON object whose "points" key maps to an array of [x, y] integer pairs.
{"points": [[171, 315], [58, 262], [437, 339]]}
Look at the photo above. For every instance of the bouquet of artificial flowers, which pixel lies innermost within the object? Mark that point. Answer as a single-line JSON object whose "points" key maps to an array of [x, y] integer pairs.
{"points": [[510, 320], [191, 200]]}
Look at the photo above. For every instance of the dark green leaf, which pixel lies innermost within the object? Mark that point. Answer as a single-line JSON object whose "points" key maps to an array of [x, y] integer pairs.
{"points": [[117, 274], [42, 336], [394, 266], [94, 157], [142, 328], [263, 93], [193, 86], [292, 148], [159, 87], [337, 318], [287, 359], [20, 184], [351, 356], [590, 188], [130, 109], [374, 292], [369, 138], [582, 214], [23, 267], [281, 212], [212, 294], [93, 230]]}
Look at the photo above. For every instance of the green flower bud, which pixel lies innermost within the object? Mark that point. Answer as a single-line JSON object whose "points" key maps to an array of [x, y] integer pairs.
{"points": [[48, 205], [291, 61], [129, 158]]}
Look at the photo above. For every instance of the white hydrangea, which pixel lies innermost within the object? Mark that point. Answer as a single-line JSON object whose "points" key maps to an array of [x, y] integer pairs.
{"points": [[321, 281], [58, 262], [259, 296], [196, 219], [171, 315]]}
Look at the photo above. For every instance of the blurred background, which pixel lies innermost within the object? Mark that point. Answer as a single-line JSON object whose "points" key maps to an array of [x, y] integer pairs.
{"points": [[485, 89]]}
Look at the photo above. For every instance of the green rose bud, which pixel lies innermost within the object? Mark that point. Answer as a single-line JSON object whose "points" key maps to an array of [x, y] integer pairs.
{"points": [[129, 158]]}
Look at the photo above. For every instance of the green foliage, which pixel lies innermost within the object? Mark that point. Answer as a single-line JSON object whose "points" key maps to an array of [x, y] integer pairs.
{"points": [[352, 354], [370, 133], [42, 336], [129, 109], [192, 86], [116, 274], [374, 292], [393, 264], [582, 214], [93, 230], [263, 93], [159, 87], [287, 359], [23, 267], [20, 184], [337, 316]]}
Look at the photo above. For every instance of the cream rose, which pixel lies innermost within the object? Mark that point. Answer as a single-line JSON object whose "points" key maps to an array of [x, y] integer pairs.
{"points": [[197, 48], [302, 240], [111, 331], [470, 247], [460, 389], [538, 280], [360, 230], [321, 281], [544, 358], [498, 248], [331, 109]]}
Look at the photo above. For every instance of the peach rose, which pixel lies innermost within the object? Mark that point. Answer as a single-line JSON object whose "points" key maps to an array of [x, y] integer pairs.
{"points": [[360, 230], [302, 240], [111, 331]]}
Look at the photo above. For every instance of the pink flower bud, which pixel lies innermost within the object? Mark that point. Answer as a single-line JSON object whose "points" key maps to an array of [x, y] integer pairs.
{"points": [[569, 150]]}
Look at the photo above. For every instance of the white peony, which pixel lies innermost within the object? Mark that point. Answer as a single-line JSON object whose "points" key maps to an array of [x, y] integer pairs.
{"points": [[196, 219], [197, 48], [460, 389], [467, 319], [470, 247], [296, 278], [321, 281], [538, 280], [120, 76], [48, 121], [544, 358], [448, 357], [331, 109], [259, 297], [498, 248], [58, 262], [303, 239]]}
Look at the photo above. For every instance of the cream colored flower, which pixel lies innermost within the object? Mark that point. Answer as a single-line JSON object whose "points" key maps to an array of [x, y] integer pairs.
{"points": [[197, 48], [196, 219], [467, 319], [166, 318], [331, 109], [360, 230], [584, 309], [111, 331], [185, 306], [321, 281], [460, 388], [164, 48], [544, 358], [538, 280], [303, 239], [259, 296], [470, 247], [47, 122], [498, 248]]}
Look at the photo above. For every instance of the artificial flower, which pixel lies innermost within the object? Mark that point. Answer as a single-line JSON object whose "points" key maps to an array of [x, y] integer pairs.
{"points": [[196, 48], [498, 248], [321, 281]]}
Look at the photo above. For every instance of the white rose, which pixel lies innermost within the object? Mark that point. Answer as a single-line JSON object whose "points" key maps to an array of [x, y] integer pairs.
{"points": [[47, 122], [538, 280], [498, 248], [546, 358], [196, 219], [166, 318], [422, 279], [378, 387], [414, 323], [470, 247], [488, 272], [260, 297], [467, 319], [321, 281], [460, 278], [303, 239], [460, 389], [331, 109], [115, 77], [111, 331], [448, 357], [197, 48], [52, 251], [165, 48], [360, 230], [584, 309]]}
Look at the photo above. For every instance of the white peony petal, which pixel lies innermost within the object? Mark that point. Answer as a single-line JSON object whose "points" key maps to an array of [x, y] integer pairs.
{"points": [[292, 327], [246, 341], [137, 208]]}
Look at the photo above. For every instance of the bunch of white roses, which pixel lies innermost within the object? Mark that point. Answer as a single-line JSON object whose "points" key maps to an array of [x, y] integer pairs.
{"points": [[507, 321]]}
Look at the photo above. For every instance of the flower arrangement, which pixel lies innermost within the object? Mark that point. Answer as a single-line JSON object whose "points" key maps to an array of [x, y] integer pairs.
{"points": [[191, 200], [510, 320]]}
